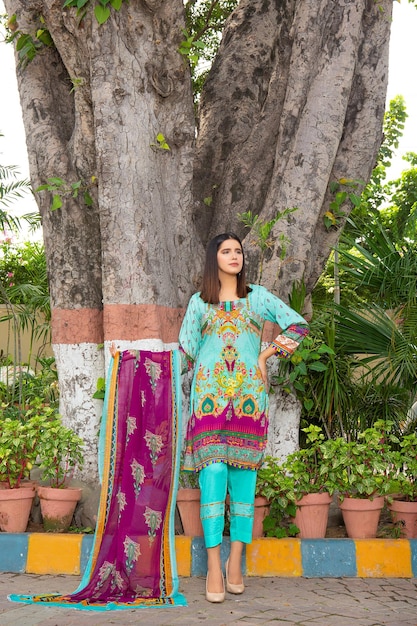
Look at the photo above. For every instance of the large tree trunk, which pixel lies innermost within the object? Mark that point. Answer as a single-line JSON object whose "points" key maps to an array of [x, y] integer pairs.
{"points": [[123, 269], [295, 100]]}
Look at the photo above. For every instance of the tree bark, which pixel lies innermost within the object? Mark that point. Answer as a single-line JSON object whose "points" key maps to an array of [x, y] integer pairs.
{"points": [[294, 101], [123, 269]]}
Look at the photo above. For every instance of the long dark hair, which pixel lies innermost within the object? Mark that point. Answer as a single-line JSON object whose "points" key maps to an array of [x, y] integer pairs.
{"points": [[210, 286]]}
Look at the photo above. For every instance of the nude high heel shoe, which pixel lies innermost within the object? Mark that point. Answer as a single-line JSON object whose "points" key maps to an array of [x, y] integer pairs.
{"points": [[212, 596], [231, 588]]}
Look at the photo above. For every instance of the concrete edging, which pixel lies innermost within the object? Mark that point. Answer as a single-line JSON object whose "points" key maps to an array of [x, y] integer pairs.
{"points": [[42, 553]]}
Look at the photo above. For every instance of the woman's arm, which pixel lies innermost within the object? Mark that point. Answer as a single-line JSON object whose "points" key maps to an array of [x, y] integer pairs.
{"points": [[262, 359], [293, 328]]}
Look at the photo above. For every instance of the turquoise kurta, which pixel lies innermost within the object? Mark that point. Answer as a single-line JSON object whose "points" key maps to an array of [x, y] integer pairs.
{"points": [[229, 403]]}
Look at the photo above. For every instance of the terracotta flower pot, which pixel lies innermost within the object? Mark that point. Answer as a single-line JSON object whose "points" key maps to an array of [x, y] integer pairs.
{"points": [[58, 506], [361, 516], [312, 515], [188, 503], [406, 514], [15, 506], [262, 506]]}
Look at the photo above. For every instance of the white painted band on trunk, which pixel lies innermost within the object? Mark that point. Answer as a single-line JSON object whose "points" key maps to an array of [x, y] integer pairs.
{"points": [[284, 417], [79, 368], [154, 345]]}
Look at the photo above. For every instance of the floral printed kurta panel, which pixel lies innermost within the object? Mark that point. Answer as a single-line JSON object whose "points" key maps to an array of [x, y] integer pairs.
{"points": [[229, 403]]}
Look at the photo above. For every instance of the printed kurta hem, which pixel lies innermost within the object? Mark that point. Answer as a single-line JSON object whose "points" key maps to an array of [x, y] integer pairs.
{"points": [[240, 442]]}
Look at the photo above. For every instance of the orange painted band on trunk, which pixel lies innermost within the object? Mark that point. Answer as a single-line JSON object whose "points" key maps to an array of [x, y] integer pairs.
{"points": [[71, 326], [127, 322], [130, 322]]}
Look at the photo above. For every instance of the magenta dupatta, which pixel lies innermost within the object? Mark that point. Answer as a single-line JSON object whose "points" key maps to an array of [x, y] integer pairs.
{"points": [[133, 557]]}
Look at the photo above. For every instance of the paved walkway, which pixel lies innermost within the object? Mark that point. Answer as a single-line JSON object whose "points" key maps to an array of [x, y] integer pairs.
{"points": [[266, 601]]}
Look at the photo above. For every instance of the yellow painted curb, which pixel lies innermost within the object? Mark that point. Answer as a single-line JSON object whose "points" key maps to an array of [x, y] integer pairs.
{"points": [[372, 558], [53, 554], [269, 557], [183, 552], [383, 558]]}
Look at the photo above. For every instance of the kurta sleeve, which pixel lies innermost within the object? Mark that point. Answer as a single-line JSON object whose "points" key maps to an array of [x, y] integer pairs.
{"points": [[190, 332], [293, 326]]}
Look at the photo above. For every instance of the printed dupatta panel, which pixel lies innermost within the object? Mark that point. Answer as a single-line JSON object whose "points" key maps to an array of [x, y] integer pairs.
{"points": [[133, 558]]}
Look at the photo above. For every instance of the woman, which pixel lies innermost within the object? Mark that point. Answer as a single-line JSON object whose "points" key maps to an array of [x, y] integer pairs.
{"points": [[226, 434]]}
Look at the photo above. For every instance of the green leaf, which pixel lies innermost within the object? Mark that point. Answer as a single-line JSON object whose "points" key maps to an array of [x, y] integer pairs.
{"points": [[101, 388], [323, 349], [299, 386], [318, 367], [44, 37], [102, 13], [340, 197], [355, 199], [329, 219], [56, 181], [293, 376], [22, 41], [56, 202], [88, 200], [116, 4], [301, 368], [162, 143]]}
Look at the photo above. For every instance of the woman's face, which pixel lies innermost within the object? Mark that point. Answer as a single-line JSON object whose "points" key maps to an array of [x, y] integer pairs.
{"points": [[230, 257]]}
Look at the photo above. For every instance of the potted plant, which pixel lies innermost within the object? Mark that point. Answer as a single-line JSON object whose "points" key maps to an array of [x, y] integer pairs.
{"points": [[20, 436], [60, 454], [402, 502], [361, 470], [301, 486], [275, 486], [188, 504], [19, 443]]}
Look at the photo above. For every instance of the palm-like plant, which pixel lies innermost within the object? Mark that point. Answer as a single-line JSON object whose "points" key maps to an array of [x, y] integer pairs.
{"points": [[11, 188], [27, 299], [329, 388], [388, 342], [380, 265], [385, 331]]}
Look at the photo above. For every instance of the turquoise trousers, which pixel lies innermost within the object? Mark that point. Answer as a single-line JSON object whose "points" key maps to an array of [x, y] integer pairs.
{"points": [[216, 480]]}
